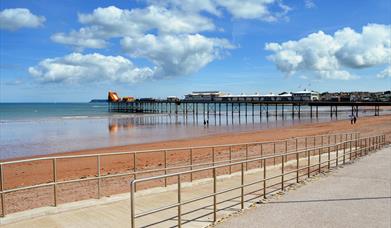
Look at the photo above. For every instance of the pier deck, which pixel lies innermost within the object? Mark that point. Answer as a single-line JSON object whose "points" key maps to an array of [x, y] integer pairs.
{"points": [[243, 107]]}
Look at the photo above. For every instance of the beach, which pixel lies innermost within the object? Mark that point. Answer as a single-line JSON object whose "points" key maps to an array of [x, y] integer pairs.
{"points": [[29, 173]]}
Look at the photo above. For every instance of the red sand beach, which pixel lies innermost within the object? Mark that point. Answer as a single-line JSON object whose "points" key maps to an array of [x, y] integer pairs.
{"points": [[25, 174]]}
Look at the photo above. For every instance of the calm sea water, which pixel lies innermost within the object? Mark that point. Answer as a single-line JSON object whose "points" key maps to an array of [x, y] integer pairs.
{"points": [[44, 128]]}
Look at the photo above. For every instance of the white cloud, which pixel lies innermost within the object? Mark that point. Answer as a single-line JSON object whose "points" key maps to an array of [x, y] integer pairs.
{"points": [[109, 22], [166, 33], [330, 56], [76, 67], [254, 9], [309, 4], [386, 73], [245, 9], [84, 38], [14, 19], [176, 55]]}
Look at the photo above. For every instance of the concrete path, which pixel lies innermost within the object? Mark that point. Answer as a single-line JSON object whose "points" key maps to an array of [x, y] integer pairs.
{"points": [[357, 195]]}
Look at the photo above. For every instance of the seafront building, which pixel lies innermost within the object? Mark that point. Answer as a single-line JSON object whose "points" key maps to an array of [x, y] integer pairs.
{"points": [[304, 95]]}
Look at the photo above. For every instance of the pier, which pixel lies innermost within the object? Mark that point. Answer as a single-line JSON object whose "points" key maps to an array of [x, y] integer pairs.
{"points": [[244, 108]]}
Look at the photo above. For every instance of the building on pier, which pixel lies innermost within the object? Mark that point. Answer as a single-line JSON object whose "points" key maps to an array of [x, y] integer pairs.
{"points": [[305, 95], [203, 95]]}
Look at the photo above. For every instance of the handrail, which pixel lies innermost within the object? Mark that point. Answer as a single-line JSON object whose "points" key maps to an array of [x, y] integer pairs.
{"points": [[136, 172], [370, 143], [239, 162], [139, 172]]}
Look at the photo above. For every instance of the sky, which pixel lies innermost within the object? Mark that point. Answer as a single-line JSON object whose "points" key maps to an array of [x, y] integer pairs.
{"points": [[75, 51]]}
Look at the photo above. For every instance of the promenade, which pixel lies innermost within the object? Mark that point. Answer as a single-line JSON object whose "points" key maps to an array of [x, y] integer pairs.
{"points": [[357, 195], [354, 195]]}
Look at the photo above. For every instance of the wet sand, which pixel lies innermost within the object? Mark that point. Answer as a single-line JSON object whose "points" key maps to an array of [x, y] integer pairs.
{"points": [[25, 174]]}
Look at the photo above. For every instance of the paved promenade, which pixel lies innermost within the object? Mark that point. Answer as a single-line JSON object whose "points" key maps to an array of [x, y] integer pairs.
{"points": [[357, 195], [352, 196]]}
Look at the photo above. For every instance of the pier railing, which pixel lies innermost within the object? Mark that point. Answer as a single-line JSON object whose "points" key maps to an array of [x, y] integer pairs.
{"points": [[56, 187], [315, 160]]}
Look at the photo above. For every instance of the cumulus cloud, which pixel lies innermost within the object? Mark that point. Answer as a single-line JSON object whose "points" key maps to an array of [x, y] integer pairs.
{"points": [[386, 73], [166, 33], [176, 55], [109, 22], [84, 38], [245, 9], [330, 56], [16, 18], [76, 67]]}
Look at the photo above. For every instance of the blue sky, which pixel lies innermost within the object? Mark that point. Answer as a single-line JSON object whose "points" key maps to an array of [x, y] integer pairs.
{"points": [[161, 48]]}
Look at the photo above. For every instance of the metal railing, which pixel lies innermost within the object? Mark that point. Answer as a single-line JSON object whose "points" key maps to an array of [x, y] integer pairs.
{"points": [[348, 149], [295, 144]]}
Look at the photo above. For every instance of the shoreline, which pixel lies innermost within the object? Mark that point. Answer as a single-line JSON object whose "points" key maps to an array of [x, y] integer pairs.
{"points": [[269, 134]]}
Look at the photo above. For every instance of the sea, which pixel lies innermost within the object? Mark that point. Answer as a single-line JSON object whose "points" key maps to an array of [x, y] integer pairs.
{"points": [[30, 129]]}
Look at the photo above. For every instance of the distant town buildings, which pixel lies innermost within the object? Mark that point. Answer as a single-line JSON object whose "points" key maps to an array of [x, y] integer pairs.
{"points": [[304, 95], [356, 96]]}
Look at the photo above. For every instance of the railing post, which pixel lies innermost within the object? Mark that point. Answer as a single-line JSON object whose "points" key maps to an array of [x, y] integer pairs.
{"points": [[134, 170], [286, 149], [98, 166], [282, 172], [328, 153], [366, 146], [165, 168], [261, 153], [264, 178], [191, 163], [297, 167], [214, 195], [344, 151], [179, 202], [306, 145], [337, 155], [213, 156], [350, 148], [320, 160], [2, 189], [308, 163], [274, 152], [246, 156], [132, 209], [371, 144], [230, 159], [242, 187], [55, 181], [377, 142]]}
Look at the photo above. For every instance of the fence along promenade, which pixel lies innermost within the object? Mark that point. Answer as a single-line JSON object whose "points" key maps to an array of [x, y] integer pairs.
{"points": [[227, 153], [343, 151]]}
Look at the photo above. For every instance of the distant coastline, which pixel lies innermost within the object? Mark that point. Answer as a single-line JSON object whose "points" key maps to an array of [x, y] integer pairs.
{"points": [[98, 101]]}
